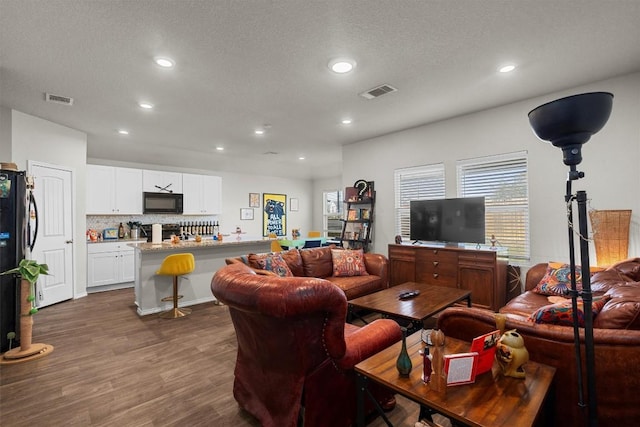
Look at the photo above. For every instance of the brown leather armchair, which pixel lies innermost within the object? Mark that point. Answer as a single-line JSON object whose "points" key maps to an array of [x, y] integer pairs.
{"points": [[294, 348]]}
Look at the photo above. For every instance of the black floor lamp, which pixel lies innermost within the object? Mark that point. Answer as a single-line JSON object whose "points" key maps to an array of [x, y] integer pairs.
{"points": [[568, 123]]}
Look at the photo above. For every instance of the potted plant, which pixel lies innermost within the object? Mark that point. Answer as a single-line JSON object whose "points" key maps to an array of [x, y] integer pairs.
{"points": [[29, 271]]}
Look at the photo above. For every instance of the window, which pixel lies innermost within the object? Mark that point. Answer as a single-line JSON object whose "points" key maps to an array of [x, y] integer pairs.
{"points": [[332, 213], [503, 181], [415, 183]]}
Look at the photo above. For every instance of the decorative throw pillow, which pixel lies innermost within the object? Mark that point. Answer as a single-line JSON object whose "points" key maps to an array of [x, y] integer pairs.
{"points": [[348, 262], [562, 312], [557, 279], [274, 262]]}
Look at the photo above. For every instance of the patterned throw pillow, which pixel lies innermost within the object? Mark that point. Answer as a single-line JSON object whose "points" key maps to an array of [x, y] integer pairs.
{"points": [[274, 262], [562, 312], [557, 279], [348, 262]]}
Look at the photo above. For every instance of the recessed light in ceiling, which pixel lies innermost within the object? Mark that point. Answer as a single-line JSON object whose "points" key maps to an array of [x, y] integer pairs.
{"points": [[220, 148], [145, 105], [342, 65], [301, 158], [346, 121], [123, 132], [259, 132], [507, 68], [164, 62]]}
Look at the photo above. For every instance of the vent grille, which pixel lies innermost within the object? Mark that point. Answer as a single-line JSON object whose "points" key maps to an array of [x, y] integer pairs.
{"points": [[58, 99], [378, 91], [270, 153]]}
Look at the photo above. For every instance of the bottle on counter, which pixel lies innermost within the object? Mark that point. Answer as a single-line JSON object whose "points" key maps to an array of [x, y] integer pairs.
{"points": [[216, 228], [426, 368], [121, 231]]}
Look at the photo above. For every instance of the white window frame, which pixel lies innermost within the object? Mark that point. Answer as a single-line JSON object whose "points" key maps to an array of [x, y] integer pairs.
{"points": [[503, 181], [415, 183], [337, 196]]}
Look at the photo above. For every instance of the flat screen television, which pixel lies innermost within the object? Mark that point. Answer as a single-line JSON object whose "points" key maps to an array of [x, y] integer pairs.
{"points": [[458, 220]]}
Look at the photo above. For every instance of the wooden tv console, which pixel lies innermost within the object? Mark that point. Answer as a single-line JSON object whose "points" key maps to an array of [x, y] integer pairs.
{"points": [[481, 271]]}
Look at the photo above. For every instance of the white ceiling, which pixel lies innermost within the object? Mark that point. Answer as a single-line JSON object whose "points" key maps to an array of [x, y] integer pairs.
{"points": [[241, 64]]}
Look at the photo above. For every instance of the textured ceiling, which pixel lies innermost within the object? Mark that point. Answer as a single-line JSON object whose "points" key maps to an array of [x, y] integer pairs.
{"points": [[242, 64]]}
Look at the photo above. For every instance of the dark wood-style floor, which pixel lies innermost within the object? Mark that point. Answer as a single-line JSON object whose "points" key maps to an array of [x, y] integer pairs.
{"points": [[111, 367]]}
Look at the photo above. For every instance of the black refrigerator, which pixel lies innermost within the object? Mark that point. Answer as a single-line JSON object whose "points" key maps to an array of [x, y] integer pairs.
{"points": [[14, 236]]}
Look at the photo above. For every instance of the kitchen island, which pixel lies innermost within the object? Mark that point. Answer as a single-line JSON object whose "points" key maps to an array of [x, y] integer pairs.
{"points": [[195, 287]]}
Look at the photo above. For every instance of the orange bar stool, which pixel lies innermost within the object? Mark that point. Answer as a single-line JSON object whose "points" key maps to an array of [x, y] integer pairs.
{"points": [[176, 265]]}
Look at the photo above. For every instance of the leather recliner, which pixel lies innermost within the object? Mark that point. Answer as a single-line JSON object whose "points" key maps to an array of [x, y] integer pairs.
{"points": [[295, 349]]}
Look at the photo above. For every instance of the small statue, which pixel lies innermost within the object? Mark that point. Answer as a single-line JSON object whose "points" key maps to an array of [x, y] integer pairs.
{"points": [[438, 381], [511, 354]]}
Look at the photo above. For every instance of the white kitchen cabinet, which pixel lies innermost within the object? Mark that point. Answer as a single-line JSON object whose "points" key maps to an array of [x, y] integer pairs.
{"points": [[161, 181], [202, 194], [109, 263], [113, 190]]}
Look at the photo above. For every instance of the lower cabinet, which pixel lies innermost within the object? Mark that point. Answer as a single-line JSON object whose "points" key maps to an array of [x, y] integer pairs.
{"points": [[483, 272], [109, 263]]}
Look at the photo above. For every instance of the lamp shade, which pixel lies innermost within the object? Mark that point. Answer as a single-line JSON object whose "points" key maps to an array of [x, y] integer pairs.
{"points": [[611, 235], [569, 122]]}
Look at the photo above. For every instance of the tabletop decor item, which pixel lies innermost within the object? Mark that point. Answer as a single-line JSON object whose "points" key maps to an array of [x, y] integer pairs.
{"points": [[511, 354], [403, 363], [438, 381], [29, 271]]}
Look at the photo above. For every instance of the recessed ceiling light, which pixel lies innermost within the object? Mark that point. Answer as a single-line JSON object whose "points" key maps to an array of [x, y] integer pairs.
{"points": [[164, 62], [342, 65], [146, 105], [123, 132], [301, 158], [507, 68], [220, 148], [259, 132], [346, 121]]}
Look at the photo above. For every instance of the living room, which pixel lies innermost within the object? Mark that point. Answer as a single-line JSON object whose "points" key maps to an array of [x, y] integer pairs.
{"points": [[610, 158]]}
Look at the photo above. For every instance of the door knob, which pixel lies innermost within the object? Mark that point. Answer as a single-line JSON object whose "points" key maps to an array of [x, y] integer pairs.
{"points": [[69, 241]]}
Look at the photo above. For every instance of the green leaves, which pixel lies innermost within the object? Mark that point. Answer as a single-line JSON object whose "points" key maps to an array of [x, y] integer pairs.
{"points": [[29, 270]]}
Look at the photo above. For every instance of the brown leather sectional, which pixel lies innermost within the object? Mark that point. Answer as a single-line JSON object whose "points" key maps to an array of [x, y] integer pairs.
{"points": [[317, 262], [616, 336]]}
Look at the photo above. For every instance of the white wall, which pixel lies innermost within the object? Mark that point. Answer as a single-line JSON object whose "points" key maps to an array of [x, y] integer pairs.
{"points": [[611, 163], [5, 134], [33, 138]]}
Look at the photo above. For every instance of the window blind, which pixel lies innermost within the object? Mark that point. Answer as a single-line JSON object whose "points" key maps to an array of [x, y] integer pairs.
{"points": [[415, 183], [503, 181]]}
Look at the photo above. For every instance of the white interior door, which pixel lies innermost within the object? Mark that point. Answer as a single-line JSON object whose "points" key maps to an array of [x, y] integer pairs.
{"points": [[54, 243]]}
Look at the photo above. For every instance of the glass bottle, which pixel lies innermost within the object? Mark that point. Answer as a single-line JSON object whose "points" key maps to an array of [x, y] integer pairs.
{"points": [[426, 365], [121, 231], [403, 363]]}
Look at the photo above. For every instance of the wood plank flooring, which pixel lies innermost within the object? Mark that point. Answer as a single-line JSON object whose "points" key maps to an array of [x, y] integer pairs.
{"points": [[110, 367]]}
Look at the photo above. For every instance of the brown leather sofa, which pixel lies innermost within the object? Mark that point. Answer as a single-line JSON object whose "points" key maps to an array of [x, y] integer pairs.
{"points": [[616, 336], [317, 262], [294, 348]]}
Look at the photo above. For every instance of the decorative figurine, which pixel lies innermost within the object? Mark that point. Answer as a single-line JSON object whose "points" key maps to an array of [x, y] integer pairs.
{"points": [[511, 354], [438, 382]]}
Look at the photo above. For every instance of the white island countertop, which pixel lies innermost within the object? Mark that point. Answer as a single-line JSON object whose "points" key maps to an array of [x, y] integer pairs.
{"points": [[195, 287]]}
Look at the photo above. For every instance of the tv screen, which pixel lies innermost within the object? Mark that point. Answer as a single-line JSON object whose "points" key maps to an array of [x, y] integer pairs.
{"points": [[458, 220]]}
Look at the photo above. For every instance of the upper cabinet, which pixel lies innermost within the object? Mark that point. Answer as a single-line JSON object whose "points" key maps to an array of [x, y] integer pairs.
{"points": [[113, 190], [202, 194], [161, 182]]}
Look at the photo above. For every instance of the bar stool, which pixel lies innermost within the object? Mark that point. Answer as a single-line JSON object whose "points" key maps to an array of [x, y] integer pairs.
{"points": [[176, 265]]}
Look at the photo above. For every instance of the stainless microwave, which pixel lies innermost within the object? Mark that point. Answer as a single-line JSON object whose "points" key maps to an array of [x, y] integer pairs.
{"points": [[162, 203]]}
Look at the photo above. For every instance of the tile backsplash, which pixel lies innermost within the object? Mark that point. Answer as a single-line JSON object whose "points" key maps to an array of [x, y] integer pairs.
{"points": [[100, 222]]}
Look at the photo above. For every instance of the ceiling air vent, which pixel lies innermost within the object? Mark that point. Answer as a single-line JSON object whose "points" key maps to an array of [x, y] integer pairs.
{"points": [[270, 153], [58, 99], [378, 91]]}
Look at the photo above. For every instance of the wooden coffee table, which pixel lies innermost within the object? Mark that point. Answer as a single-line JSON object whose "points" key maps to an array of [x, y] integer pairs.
{"points": [[432, 300], [492, 400]]}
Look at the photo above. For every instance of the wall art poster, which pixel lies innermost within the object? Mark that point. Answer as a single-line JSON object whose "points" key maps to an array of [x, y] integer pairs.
{"points": [[254, 200], [274, 218]]}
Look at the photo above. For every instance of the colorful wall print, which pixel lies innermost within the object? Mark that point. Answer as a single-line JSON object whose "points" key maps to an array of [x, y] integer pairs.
{"points": [[274, 219]]}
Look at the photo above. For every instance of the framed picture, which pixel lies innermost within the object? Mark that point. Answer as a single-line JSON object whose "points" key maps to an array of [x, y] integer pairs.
{"points": [[293, 205], [246, 213], [254, 200], [274, 214]]}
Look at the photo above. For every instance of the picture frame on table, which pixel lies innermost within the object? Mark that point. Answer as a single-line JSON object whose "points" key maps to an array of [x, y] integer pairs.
{"points": [[254, 200], [246, 213]]}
